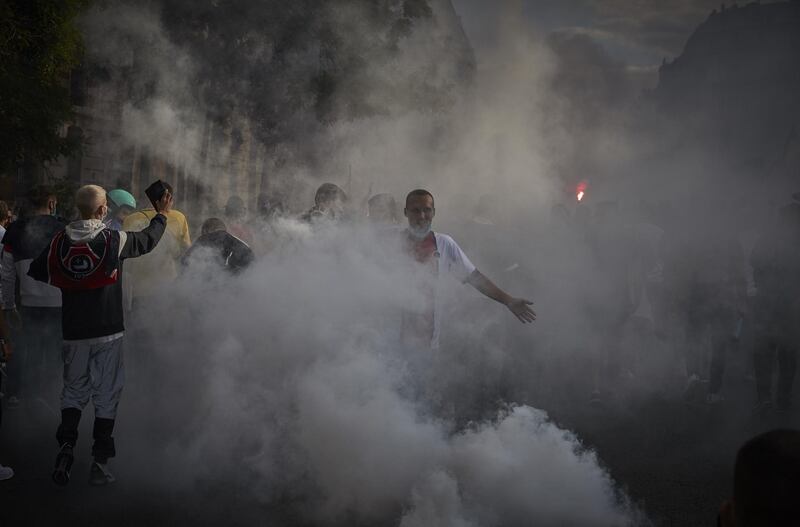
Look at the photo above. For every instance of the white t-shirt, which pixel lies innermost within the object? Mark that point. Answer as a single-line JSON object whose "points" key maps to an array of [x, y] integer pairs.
{"points": [[453, 262]]}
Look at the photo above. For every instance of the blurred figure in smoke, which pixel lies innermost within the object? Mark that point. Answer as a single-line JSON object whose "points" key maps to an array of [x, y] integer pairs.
{"points": [[382, 210], [776, 310], [235, 213], [616, 257], [330, 204], [269, 209], [217, 247], [120, 205], [704, 268], [438, 254], [38, 319], [85, 262], [5, 355], [766, 482]]}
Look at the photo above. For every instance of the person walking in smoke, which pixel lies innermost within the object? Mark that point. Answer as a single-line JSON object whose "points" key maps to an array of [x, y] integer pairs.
{"points": [[775, 261], [704, 267], [84, 261], [612, 299], [37, 319], [438, 254]]}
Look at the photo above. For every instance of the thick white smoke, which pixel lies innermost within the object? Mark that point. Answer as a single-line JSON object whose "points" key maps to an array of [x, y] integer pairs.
{"points": [[290, 379], [295, 384]]}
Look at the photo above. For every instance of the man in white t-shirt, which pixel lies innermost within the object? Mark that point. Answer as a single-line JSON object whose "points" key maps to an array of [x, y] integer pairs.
{"points": [[438, 254]]}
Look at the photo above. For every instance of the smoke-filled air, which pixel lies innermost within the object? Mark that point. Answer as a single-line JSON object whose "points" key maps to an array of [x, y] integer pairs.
{"points": [[572, 322]]}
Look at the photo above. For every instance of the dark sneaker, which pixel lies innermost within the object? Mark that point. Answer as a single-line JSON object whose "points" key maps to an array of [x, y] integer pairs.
{"points": [[63, 465], [99, 475]]}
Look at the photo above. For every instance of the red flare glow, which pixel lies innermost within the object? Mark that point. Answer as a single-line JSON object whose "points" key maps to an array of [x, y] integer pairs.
{"points": [[580, 192]]}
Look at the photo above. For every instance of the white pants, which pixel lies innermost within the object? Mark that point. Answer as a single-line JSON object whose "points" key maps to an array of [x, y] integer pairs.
{"points": [[96, 371]]}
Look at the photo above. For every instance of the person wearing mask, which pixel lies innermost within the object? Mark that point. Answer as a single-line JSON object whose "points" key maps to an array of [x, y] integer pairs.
{"points": [[37, 318], [435, 255], [121, 204], [218, 247], [85, 261]]}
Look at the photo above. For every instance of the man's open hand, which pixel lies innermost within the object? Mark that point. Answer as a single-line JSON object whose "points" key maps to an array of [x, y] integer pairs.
{"points": [[519, 306]]}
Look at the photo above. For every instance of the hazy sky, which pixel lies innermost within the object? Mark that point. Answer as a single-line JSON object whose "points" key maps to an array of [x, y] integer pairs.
{"points": [[637, 32]]}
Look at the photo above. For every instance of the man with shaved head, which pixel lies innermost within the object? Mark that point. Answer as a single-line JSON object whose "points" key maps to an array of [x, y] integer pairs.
{"points": [[84, 261], [439, 254]]}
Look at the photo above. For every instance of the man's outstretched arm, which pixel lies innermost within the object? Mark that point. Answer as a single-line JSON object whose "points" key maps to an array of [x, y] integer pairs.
{"points": [[518, 306]]}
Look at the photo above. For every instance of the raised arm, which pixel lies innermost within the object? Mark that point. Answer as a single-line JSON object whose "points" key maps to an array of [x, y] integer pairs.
{"points": [[518, 306], [144, 241]]}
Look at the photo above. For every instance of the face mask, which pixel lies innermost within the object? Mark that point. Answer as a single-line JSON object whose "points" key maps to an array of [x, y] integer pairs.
{"points": [[419, 232]]}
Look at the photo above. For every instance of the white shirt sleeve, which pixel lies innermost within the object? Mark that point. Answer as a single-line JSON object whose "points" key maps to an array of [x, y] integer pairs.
{"points": [[456, 261]]}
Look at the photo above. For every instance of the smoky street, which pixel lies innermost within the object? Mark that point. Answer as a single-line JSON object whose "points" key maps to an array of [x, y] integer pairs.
{"points": [[412, 263]]}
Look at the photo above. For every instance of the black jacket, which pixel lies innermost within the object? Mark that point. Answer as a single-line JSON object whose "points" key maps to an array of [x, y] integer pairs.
{"points": [[221, 248], [94, 313]]}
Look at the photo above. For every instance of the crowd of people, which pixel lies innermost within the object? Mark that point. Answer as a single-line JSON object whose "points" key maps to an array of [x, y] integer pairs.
{"points": [[64, 300], [72, 301]]}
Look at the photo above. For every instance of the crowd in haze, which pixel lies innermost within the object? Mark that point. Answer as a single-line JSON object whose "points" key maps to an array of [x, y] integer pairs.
{"points": [[660, 279]]}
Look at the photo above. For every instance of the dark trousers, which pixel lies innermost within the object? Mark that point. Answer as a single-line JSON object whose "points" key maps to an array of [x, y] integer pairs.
{"points": [[767, 350], [103, 447], [35, 369], [719, 325]]}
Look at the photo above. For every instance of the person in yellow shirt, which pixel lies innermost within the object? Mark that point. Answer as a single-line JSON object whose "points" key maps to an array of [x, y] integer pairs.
{"points": [[148, 275]]}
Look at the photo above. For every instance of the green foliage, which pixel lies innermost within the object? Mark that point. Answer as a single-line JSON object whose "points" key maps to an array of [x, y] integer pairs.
{"points": [[39, 46]]}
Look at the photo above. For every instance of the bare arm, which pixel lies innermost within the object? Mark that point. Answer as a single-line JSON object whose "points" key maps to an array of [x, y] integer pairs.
{"points": [[518, 306]]}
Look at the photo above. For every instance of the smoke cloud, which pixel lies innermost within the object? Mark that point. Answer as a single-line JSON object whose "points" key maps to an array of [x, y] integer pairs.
{"points": [[289, 381]]}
